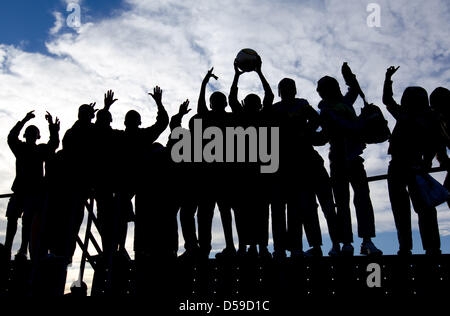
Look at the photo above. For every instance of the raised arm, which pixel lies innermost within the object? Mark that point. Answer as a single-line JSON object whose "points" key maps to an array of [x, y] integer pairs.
{"points": [[202, 108], [391, 105], [162, 118], [233, 101], [352, 83], [268, 94], [108, 100], [13, 136], [53, 127], [175, 121]]}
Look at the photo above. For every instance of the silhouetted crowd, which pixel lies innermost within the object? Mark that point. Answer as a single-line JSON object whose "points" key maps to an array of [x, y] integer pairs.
{"points": [[115, 166]]}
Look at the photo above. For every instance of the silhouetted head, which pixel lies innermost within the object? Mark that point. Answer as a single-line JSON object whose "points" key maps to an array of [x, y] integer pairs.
{"points": [[415, 99], [104, 118], [329, 90], [85, 113], [440, 101], [32, 134], [218, 101], [287, 89], [252, 103], [79, 290], [132, 119]]}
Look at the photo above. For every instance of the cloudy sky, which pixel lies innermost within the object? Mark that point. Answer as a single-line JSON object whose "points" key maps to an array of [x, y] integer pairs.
{"points": [[130, 46]]}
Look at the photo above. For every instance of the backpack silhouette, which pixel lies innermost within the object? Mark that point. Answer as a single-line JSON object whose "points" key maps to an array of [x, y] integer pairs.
{"points": [[375, 128]]}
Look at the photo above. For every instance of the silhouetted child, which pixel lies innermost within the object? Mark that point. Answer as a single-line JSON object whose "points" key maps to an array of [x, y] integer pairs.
{"points": [[105, 159], [294, 187], [135, 144], [189, 195], [413, 145], [78, 169], [175, 172], [29, 186], [250, 186], [212, 180], [340, 122], [158, 201]]}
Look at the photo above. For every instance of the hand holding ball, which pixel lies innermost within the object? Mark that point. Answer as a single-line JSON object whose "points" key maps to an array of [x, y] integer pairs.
{"points": [[247, 60]]}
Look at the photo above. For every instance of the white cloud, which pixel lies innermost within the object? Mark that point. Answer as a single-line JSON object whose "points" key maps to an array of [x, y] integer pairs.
{"points": [[59, 23], [173, 43], [73, 1]]}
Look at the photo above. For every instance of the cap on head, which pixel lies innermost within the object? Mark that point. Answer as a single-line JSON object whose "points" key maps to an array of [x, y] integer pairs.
{"points": [[218, 101], [132, 119], [287, 88], [328, 89], [85, 113], [32, 133]]}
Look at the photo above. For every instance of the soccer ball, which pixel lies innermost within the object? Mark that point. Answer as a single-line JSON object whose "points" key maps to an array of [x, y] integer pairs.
{"points": [[247, 59]]}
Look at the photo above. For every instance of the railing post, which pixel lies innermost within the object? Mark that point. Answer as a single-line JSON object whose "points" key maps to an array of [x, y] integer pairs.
{"points": [[85, 254]]}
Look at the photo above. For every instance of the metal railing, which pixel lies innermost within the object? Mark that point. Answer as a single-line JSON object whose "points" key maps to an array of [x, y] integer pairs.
{"points": [[92, 221]]}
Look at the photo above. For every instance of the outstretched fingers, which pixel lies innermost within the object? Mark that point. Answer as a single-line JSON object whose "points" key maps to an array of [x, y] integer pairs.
{"points": [[210, 74], [49, 117], [184, 107], [57, 123], [157, 94], [109, 99], [92, 105]]}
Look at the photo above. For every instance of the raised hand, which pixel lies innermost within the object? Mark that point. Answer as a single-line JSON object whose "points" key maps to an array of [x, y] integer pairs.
{"points": [[210, 74], [157, 95], [109, 99], [30, 115], [92, 105], [236, 69], [51, 124], [184, 108], [390, 71], [57, 124], [346, 71], [49, 118]]}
